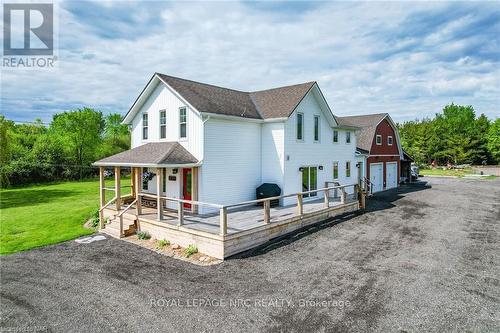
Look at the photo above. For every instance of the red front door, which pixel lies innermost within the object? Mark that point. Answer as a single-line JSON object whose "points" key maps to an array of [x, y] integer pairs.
{"points": [[186, 186]]}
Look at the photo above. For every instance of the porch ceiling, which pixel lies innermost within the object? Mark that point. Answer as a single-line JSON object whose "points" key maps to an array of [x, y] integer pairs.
{"points": [[153, 154]]}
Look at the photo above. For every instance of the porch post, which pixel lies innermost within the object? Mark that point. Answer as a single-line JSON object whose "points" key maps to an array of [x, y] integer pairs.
{"points": [[300, 209], [326, 194], [223, 221], [138, 187], [159, 183], [132, 182], [102, 196], [117, 188]]}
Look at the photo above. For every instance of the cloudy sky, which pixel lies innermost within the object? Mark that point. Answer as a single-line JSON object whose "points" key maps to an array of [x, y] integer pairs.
{"points": [[406, 58]]}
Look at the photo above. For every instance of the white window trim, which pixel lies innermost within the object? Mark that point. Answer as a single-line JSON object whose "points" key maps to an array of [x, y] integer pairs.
{"points": [[338, 173], [160, 124], [392, 140], [350, 169], [317, 116], [296, 127], [183, 138], [376, 140], [333, 138], [350, 138], [142, 126], [317, 171]]}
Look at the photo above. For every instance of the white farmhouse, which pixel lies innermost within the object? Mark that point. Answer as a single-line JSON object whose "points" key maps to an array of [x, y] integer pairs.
{"points": [[217, 145]]}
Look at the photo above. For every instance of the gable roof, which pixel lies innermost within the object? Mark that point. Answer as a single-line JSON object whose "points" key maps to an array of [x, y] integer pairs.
{"points": [[368, 124], [280, 102], [151, 154], [206, 98]]}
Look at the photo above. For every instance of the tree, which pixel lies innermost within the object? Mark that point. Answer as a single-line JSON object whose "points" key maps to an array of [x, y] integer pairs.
{"points": [[81, 132], [5, 149], [116, 136], [493, 139]]}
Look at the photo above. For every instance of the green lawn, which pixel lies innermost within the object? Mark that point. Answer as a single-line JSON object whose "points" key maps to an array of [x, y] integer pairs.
{"points": [[441, 172], [39, 215]]}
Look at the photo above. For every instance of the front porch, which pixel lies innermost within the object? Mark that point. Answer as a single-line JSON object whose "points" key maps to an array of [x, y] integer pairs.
{"points": [[164, 202], [223, 230]]}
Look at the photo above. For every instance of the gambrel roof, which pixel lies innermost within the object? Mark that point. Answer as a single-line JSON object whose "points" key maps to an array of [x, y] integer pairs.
{"points": [[368, 124], [206, 98]]}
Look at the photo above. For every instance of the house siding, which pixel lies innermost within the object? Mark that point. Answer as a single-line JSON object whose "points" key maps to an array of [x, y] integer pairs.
{"points": [[310, 153], [231, 169], [273, 151], [162, 98]]}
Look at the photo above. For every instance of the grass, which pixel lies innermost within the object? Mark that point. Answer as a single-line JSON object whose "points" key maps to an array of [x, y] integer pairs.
{"points": [[38, 215], [441, 172]]}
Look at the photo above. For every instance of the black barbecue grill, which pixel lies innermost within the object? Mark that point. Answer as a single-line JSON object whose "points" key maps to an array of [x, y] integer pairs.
{"points": [[268, 190]]}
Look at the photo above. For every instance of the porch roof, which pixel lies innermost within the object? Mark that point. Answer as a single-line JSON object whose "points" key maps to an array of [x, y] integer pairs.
{"points": [[153, 154]]}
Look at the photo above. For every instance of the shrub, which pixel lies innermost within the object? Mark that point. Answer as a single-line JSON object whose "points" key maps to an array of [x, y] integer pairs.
{"points": [[143, 235], [160, 244], [94, 219], [190, 250]]}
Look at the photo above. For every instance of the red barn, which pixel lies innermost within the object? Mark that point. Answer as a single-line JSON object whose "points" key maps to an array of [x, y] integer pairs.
{"points": [[378, 141]]}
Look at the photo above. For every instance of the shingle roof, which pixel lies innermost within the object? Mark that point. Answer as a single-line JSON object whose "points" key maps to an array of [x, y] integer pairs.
{"points": [[264, 104], [154, 153], [368, 124], [280, 102]]}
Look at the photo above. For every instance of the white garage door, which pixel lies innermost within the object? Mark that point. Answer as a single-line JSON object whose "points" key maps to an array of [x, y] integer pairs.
{"points": [[391, 174], [376, 177]]}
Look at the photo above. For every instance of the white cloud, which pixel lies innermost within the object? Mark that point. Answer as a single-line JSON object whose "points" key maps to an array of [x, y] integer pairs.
{"points": [[341, 45]]}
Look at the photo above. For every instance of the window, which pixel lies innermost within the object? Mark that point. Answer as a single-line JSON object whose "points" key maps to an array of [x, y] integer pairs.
{"points": [[389, 140], [300, 126], [335, 136], [163, 124], [309, 180], [144, 126], [348, 169], [335, 170], [378, 139], [182, 122], [316, 128], [348, 137], [145, 182]]}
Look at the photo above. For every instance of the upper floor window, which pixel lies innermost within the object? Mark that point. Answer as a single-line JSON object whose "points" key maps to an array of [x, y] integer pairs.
{"points": [[182, 122], [348, 169], [300, 126], [378, 139], [335, 170], [335, 136], [348, 137], [163, 124], [316, 128], [144, 126], [389, 140]]}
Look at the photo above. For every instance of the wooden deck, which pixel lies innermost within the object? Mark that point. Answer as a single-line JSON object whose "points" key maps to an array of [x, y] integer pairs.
{"points": [[227, 229], [238, 219]]}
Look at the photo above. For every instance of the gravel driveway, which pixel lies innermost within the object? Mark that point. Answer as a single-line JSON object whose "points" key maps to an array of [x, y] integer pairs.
{"points": [[423, 258]]}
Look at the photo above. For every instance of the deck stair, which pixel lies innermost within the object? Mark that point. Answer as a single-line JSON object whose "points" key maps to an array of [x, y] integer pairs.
{"points": [[112, 226]]}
